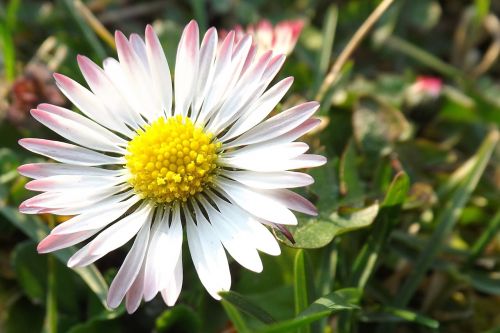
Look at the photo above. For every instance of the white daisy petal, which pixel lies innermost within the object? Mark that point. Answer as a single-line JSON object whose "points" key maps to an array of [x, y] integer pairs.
{"points": [[96, 218], [234, 239], [262, 107], [61, 183], [56, 242], [256, 203], [171, 293], [135, 292], [108, 93], [166, 242], [78, 129], [129, 269], [256, 233], [270, 180], [90, 104], [160, 72], [276, 126], [68, 153], [138, 79], [186, 68], [205, 70], [111, 238], [42, 170]]}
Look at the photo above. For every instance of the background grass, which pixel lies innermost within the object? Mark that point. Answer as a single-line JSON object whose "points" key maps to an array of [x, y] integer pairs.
{"points": [[407, 236]]}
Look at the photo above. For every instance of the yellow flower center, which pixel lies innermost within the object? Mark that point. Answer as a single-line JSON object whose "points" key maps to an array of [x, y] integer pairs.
{"points": [[171, 160]]}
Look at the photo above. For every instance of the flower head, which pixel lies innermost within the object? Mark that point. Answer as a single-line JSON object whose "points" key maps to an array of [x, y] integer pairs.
{"points": [[145, 167], [280, 38]]}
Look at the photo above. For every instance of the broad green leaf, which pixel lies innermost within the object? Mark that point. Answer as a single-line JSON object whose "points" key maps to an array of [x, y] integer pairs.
{"points": [[245, 305], [313, 233], [484, 282], [34, 228], [340, 300], [447, 218]]}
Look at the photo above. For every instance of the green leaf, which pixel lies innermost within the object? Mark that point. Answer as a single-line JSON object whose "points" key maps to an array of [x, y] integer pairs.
{"points": [[178, 319], [313, 233], [388, 314], [351, 186], [378, 126], [31, 271], [448, 217], [245, 305], [235, 316], [22, 317], [340, 300], [34, 228], [325, 186], [369, 254], [484, 282], [301, 286]]}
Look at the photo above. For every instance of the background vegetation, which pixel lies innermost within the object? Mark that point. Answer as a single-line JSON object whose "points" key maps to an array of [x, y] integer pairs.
{"points": [[407, 237]]}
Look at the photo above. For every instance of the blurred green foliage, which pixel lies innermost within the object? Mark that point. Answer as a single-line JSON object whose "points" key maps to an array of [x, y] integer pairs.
{"points": [[407, 234]]}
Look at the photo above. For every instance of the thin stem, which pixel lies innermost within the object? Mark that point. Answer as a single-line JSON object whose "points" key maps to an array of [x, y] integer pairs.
{"points": [[94, 23], [351, 46], [485, 239]]}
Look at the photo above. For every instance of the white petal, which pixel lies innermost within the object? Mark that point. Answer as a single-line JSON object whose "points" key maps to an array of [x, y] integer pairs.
{"points": [[68, 199], [138, 79], [129, 269], [68, 153], [276, 126], [61, 183], [264, 151], [135, 292], [272, 165], [205, 70], [186, 68], [234, 239], [256, 203], [292, 200], [56, 242], [111, 238], [162, 254], [108, 93], [160, 72], [262, 107], [171, 293], [256, 233], [42, 170], [78, 128], [95, 218], [203, 260], [270, 180], [90, 104]]}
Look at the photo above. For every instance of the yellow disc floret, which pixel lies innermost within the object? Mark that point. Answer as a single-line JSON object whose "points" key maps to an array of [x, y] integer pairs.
{"points": [[171, 160]]}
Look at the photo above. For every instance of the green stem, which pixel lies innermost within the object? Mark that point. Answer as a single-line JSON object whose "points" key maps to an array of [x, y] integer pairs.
{"points": [[485, 239], [50, 323]]}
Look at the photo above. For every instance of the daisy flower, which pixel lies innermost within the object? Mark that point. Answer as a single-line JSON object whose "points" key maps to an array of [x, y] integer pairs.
{"points": [[280, 38], [149, 161]]}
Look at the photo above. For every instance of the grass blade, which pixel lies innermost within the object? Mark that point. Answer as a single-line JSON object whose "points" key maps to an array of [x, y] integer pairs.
{"points": [[447, 218], [245, 305], [235, 316], [300, 286]]}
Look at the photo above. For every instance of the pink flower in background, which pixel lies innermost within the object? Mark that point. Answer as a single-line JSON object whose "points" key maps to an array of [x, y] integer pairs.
{"points": [[281, 38], [428, 85]]}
